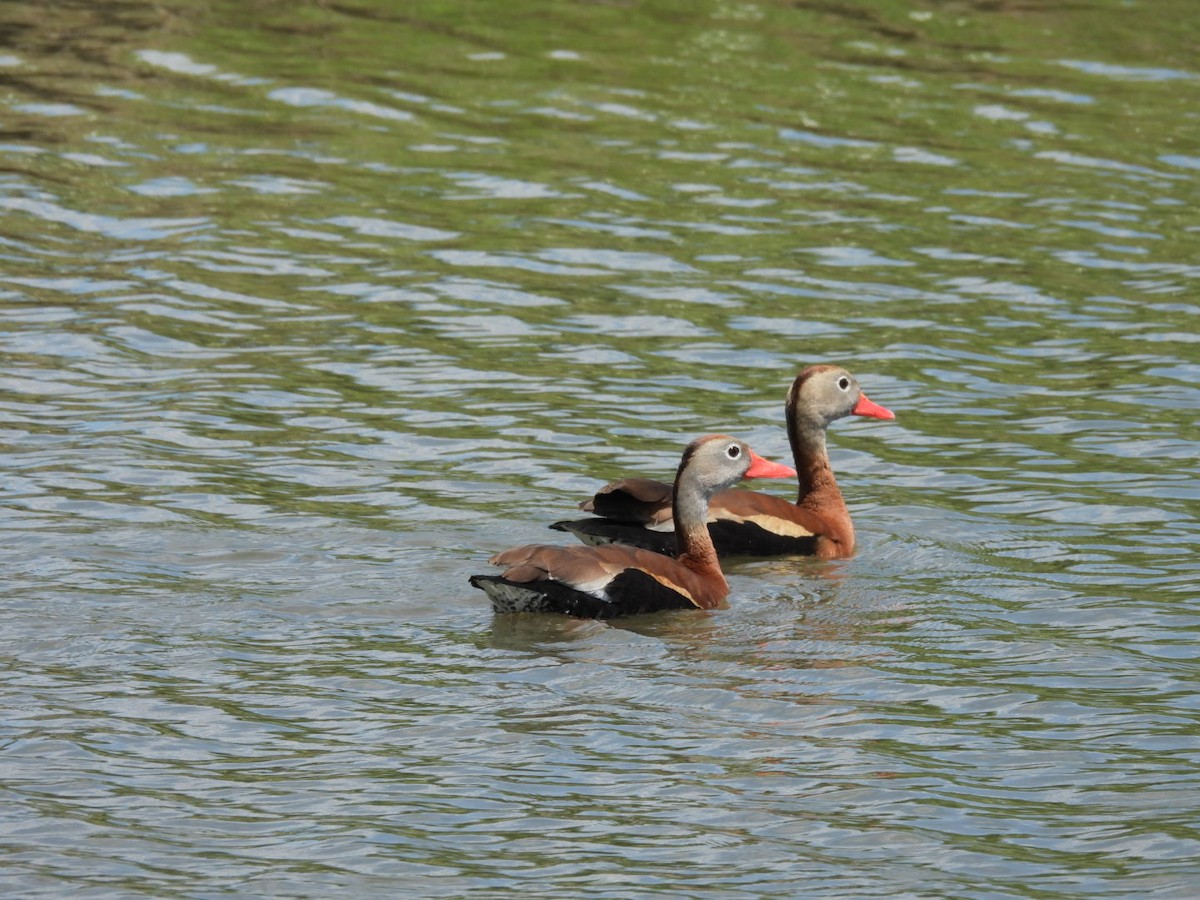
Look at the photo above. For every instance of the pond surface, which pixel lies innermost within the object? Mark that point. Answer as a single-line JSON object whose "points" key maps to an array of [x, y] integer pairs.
{"points": [[308, 308]]}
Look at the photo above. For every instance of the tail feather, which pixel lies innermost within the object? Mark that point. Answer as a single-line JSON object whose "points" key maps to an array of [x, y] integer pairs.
{"points": [[511, 596]]}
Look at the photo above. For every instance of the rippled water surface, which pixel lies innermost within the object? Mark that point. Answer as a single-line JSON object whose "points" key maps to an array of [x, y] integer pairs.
{"points": [[307, 308]]}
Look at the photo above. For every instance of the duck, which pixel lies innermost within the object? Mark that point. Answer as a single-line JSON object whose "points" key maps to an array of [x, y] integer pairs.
{"points": [[601, 582], [638, 511]]}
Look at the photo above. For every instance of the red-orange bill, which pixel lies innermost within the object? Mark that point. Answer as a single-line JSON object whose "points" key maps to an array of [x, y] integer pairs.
{"points": [[764, 468], [866, 407]]}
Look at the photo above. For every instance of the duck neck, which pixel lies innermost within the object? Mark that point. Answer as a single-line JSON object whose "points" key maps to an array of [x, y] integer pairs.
{"points": [[819, 492], [808, 450], [694, 546], [818, 485], [812, 463]]}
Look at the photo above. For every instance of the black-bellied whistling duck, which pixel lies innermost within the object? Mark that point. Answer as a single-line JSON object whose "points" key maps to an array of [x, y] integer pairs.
{"points": [[637, 511], [616, 580]]}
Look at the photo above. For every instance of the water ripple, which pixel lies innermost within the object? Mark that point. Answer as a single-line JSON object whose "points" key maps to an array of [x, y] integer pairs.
{"points": [[286, 358]]}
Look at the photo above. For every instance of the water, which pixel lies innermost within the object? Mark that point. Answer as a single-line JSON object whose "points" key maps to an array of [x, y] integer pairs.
{"points": [[309, 308]]}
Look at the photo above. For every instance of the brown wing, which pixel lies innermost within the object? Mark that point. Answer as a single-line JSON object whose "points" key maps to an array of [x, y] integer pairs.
{"points": [[741, 522], [642, 500], [771, 513], [648, 502], [594, 569]]}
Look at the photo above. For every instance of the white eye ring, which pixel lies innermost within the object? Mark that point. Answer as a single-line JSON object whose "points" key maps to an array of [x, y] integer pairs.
{"points": [[733, 451], [844, 383]]}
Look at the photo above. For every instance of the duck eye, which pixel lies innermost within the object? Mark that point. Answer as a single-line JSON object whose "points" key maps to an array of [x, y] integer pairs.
{"points": [[844, 383], [733, 451]]}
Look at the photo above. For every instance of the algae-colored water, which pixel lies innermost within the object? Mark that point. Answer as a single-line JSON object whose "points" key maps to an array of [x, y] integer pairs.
{"points": [[307, 308]]}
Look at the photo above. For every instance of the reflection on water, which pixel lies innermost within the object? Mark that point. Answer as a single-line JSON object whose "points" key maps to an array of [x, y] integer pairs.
{"points": [[308, 309]]}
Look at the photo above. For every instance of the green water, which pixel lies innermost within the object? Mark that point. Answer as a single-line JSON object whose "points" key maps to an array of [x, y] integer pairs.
{"points": [[306, 309]]}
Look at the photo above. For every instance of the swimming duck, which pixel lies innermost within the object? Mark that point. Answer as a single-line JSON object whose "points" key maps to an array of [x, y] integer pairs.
{"points": [[638, 511], [614, 579]]}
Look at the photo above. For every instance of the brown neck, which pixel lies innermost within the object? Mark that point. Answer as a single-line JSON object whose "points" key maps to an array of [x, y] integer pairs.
{"points": [[818, 486], [807, 438], [693, 544], [695, 550], [819, 493]]}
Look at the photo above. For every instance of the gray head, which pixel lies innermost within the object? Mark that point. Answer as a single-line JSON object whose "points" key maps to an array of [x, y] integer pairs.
{"points": [[824, 394], [717, 461]]}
